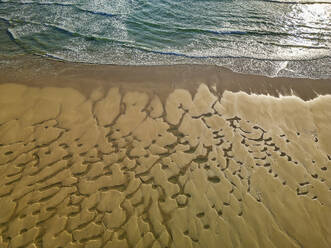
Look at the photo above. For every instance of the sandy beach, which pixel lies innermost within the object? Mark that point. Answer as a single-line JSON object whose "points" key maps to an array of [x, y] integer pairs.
{"points": [[162, 156]]}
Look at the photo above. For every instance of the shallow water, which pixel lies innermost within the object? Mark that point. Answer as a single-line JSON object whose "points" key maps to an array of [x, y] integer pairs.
{"points": [[274, 38]]}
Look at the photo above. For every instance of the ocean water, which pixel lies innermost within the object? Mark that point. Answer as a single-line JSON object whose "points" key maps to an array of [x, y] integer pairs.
{"points": [[273, 38]]}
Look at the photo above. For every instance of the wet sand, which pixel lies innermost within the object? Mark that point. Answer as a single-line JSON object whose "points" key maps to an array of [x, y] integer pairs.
{"points": [[178, 156], [161, 80]]}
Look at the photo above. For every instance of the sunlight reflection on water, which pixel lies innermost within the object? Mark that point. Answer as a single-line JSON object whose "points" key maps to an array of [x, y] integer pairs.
{"points": [[170, 32]]}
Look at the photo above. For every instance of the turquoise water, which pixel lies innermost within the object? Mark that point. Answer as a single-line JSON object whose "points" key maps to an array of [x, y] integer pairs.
{"points": [[275, 38]]}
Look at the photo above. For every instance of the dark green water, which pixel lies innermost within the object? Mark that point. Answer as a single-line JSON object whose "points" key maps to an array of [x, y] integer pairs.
{"points": [[274, 38]]}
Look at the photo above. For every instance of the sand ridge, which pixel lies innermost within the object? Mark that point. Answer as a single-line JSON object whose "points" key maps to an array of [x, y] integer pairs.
{"points": [[126, 169]]}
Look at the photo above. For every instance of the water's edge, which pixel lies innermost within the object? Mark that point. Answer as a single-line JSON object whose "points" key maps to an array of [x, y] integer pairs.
{"points": [[46, 72], [244, 36]]}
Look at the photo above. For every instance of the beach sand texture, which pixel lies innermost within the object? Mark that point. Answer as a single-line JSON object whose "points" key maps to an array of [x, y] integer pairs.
{"points": [[133, 169]]}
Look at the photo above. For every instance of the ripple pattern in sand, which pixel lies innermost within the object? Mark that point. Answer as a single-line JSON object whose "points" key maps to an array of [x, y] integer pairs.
{"points": [[124, 169]]}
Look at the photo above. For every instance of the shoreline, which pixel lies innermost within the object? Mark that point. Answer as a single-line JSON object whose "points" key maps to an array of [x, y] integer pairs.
{"points": [[161, 79]]}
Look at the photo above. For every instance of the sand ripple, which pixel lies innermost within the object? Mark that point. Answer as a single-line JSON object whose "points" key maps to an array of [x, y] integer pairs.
{"points": [[124, 169]]}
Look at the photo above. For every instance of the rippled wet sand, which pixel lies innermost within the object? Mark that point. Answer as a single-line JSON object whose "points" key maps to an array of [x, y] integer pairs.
{"points": [[133, 168]]}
